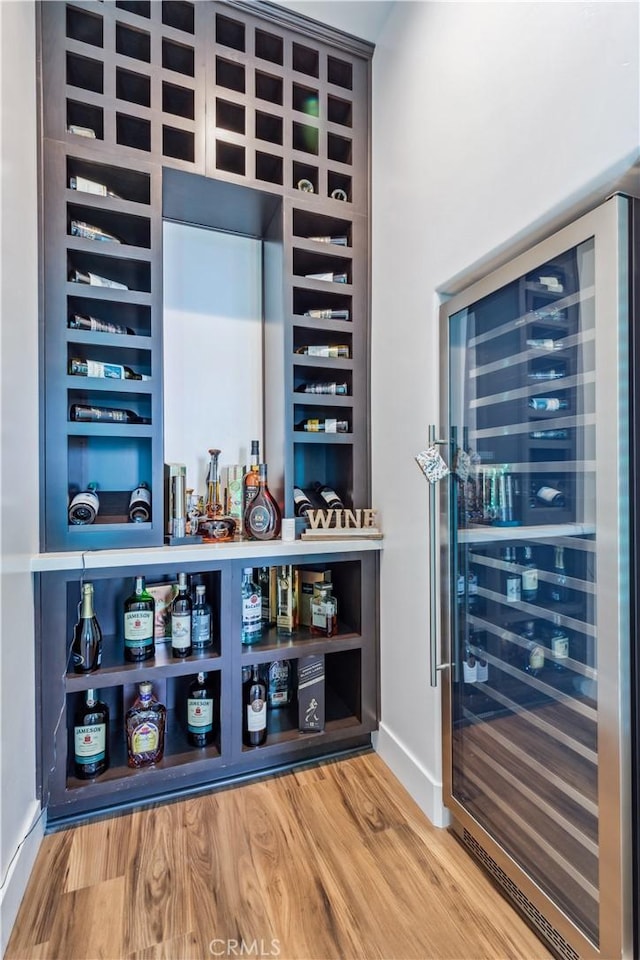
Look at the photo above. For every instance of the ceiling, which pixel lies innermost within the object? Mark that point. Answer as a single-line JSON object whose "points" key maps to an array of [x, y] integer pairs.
{"points": [[361, 18]]}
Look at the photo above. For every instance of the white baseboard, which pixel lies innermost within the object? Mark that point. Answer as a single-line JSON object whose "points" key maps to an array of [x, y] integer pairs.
{"points": [[19, 872], [412, 775]]}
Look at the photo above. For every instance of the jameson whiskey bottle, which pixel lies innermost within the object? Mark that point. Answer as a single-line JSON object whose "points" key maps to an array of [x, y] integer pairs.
{"points": [[262, 516], [139, 616], [91, 737], [145, 725], [86, 647], [200, 712]]}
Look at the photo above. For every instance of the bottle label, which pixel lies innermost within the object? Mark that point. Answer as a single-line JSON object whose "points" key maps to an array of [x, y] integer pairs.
{"points": [[513, 589], [259, 519], [138, 629], [530, 581], [90, 743], [84, 185], [482, 670], [199, 715], [145, 738], [201, 625], [110, 371], [470, 669], [536, 658], [180, 631], [257, 715], [560, 647]]}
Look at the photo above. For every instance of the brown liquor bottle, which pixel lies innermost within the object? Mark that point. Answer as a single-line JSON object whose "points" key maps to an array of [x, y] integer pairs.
{"points": [[251, 480], [262, 517], [145, 725]]}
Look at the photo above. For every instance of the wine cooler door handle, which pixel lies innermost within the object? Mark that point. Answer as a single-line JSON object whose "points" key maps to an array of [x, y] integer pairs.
{"points": [[433, 440]]}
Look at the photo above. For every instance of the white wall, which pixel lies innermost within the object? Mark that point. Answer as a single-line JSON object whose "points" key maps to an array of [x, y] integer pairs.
{"points": [[490, 120], [19, 453]]}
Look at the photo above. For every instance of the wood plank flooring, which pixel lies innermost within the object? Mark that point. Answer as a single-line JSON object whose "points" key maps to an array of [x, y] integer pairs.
{"points": [[331, 862]]}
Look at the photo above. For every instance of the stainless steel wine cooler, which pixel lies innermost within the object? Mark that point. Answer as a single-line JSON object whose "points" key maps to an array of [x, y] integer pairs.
{"points": [[534, 651]]}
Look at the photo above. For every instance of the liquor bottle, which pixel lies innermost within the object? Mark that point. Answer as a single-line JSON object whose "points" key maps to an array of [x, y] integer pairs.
{"points": [[327, 314], [81, 413], [287, 602], [324, 611], [262, 516], [482, 664], [529, 587], [328, 425], [301, 502], [330, 350], [85, 505], [559, 643], [340, 389], [251, 608], [512, 581], [200, 712], [548, 496], [85, 185], [329, 496], [95, 280], [181, 620], [469, 664], [109, 371], [86, 646], [91, 737], [279, 687], [461, 586], [472, 591], [338, 241], [549, 404], [268, 602], [139, 618], [145, 723], [81, 321], [140, 504], [558, 592], [251, 479], [87, 231], [201, 620], [254, 715], [532, 650]]}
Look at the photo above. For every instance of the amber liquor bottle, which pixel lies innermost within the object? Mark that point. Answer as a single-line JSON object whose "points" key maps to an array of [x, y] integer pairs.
{"points": [[262, 516], [251, 479], [145, 725]]}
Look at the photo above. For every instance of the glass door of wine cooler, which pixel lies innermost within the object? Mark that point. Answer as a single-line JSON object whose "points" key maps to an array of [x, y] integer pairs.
{"points": [[535, 530]]}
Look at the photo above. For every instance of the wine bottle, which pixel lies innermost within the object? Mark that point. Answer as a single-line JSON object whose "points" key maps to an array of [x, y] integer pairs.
{"points": [[200, 712], [329, 496], [549, 435], [145, 723], [469, 665], [140, 504], [532, 650], [512, 581], [547, 374], [329, 425], [251, 608], [262, 517], [549, 496], [80, 131], [254, 715], [181, 610], [327, 314], [549, 404], [251, 479], [86, 646], [83, 321], [302, 504], [339, 389], [558, 589], [95, 280], [139, 617], [331, 350], [559, 645], [87, 231], [338, 241], [91, 737], [529, 587], [328, 275], [201, 620], [85, 414], [545, 343], [279, 689], [85, 505], [109, 371], [85, 185]]}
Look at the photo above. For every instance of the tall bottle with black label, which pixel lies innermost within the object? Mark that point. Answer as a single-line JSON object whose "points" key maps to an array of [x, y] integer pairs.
{"points": [[91, 737], [181, 609], [559, 643], [200, 730], [86, 646], [254, 713], [512, 584], [529, 588], [139, 617], [558, 592], [280, 683], [328, 496]]}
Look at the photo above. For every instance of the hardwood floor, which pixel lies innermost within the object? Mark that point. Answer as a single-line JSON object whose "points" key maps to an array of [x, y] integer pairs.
{"points": [[332, 862]]}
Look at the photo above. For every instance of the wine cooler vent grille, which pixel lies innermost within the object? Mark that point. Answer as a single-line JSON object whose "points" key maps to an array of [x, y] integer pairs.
{"points": [[548, 931]]}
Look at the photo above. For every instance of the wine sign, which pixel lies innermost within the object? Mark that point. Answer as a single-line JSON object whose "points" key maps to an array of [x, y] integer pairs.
{"points": [[330, 524]]}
